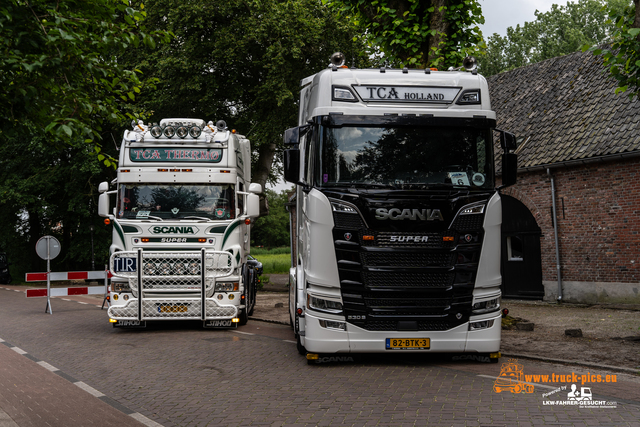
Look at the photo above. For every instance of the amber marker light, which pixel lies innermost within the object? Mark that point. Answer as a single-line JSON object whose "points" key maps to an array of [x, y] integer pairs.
{"points": [[235, 320], [174, 170], [447, 238], [107, 221], [225, 171], [368, 238], [163, 170], [247, 221], [125, 170], [113, 321], [145, 240], [201, 240], [187, 170]]}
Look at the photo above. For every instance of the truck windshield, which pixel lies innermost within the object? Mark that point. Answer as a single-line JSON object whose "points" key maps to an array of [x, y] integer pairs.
{"points": [[406, 156], [176, 201]]}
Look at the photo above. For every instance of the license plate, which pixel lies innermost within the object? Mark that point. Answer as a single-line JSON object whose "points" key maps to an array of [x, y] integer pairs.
{"points": [[408, 343], [177, 308]]}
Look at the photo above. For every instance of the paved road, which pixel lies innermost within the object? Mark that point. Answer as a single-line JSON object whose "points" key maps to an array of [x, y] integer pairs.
{"points": [[182, 375]]}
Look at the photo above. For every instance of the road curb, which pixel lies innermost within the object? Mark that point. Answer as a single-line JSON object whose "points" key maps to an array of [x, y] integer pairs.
{"points": [[574, 362]]}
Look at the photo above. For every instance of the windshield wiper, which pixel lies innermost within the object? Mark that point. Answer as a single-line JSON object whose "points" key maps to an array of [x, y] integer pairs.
{"points": [[201, 218], [157, 218]]}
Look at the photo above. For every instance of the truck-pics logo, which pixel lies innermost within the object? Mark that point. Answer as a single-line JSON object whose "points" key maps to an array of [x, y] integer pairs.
{"points": [[174, 230], [411, 214], [512, 379]]}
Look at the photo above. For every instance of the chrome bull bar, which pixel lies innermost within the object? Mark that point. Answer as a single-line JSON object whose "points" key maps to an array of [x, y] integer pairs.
{"points": [[189, 276]]}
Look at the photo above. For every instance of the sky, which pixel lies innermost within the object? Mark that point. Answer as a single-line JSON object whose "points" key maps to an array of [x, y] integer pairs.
{"points": [[501, 14], [498, 16]]}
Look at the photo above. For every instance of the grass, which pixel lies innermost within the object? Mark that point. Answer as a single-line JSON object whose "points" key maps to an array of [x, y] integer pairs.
{"points": [[274, 261]]}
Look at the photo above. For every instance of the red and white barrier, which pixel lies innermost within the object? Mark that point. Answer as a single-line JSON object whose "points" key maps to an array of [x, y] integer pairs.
{"points": [[62, 292], [70, 275]]}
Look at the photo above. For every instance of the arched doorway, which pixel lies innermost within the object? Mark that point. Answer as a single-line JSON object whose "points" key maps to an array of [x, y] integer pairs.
{"points": [[521, 259]]}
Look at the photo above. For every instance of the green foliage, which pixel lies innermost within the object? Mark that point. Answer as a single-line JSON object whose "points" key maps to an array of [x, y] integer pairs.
{"points": [[623, 57], [275, 264], [560, 31], [240, 61], [272, 231], [412, 33], [45, 190], [256, 251], [59, 69]]}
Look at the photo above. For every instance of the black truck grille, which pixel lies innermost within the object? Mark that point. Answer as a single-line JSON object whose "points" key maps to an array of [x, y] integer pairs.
{"points": [[375, 279], [407, 259], [407, 280]]}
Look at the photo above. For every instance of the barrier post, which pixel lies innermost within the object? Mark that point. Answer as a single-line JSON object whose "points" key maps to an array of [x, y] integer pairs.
{"points": [[107, 297]]}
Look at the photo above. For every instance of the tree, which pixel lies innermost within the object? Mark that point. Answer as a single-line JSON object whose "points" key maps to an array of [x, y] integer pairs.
{"points": [[59, 71], [560, 31], [273, 230], [431, 33], [623, 58], [240, 61], [48, 190]]}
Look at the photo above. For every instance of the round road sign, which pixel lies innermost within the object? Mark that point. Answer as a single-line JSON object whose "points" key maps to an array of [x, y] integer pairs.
{"points": [[48, 247]]}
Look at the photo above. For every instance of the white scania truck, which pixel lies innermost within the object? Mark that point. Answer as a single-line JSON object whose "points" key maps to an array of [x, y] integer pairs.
{"points": [[181, 225], [396, 220]]}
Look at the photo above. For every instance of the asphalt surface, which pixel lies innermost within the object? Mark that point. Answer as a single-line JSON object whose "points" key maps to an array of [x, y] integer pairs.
{"points": [[72, 368]]}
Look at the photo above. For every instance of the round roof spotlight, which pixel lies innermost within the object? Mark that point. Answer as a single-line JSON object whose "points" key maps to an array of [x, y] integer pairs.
{"points": [[182, 131], [195, 131], [156, 131], [470, 63], [338, 59], [221, 125], [169, 131]]}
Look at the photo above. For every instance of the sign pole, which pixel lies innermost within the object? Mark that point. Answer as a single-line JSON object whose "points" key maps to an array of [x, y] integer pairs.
{"points": [[48, 309]]}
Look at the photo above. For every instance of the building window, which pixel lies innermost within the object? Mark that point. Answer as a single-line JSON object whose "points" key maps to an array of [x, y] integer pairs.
{"points": [[514, 248]]}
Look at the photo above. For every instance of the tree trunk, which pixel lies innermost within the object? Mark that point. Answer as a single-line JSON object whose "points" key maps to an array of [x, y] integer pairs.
{"points": [[438, 23], [636, 21], [261, 173]]}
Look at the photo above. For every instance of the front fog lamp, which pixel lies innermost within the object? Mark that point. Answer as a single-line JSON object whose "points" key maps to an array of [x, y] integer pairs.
{"points": [[156, 131], [325, 305], [330, 324], [486, 306], [476, 326], [227, 286]]}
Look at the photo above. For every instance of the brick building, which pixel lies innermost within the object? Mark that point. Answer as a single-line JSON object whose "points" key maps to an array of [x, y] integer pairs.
{"points": [[581, 141]]}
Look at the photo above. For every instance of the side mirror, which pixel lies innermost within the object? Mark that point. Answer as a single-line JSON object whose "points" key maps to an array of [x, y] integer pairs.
{"points": [[255, 188], [507, 141], [103, 203], [291, 162], [509, 169], [292, 135], [253, 205], [103, 187]]}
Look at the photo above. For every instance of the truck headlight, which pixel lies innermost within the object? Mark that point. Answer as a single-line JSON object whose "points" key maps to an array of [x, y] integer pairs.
{"points": [[320, 304], [227, 286], [486, 306], [120, 287]]}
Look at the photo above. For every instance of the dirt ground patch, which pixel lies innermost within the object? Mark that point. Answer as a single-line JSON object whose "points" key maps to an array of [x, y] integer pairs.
{"points": [[610, 336]]}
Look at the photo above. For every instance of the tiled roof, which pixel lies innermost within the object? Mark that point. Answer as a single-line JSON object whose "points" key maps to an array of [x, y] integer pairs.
{"points": [[565, 109]]}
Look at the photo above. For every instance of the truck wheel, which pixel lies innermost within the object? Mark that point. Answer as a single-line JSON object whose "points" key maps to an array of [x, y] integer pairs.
{"points": [[300, 347], [244, 318], [251, 293]]}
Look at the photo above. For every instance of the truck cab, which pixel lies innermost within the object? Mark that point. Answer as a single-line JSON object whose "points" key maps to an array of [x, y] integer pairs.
{"points": [[184, 203]]}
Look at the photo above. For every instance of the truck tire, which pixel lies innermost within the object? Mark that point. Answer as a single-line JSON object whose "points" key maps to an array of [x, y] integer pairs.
{"points": [[243, 316], [251, 292]]}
